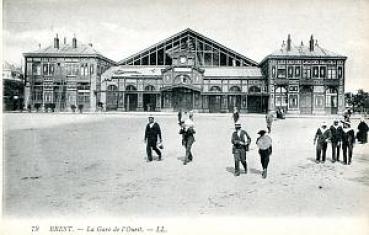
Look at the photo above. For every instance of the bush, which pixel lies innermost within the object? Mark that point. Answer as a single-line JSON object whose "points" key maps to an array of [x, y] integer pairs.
{"points": [[80, 107], [100, 104], [29, 108], [37, 106], [73, 107]]}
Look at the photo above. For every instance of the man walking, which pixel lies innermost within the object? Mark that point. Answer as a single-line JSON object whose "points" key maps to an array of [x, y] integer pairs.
{"points": [[362, 134], [236, 114], [322, 136], [187, 131], [240, 140], [348, 140], [264, 142], [336, 140], [152, 134], [269, 121]]}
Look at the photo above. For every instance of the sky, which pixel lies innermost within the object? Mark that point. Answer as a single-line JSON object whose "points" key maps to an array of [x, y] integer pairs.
{"points": [[254, 28]]}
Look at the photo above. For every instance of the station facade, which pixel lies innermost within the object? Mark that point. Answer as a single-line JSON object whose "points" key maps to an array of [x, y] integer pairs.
{"points": [[189, 71]]}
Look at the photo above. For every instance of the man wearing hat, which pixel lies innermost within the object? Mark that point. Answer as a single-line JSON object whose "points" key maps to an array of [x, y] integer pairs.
{"points": [[187, 131], [336, 140], [152, 134], [240, 140], [264, 142], [322, 136], [348, 140]]}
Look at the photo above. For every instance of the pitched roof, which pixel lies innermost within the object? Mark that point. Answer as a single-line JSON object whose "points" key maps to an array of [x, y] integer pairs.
{"points": [[68, 50], [194, 34], [303, 52]]}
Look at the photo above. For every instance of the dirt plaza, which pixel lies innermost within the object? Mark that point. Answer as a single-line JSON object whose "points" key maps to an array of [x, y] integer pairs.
{"points": [[94, 164]]}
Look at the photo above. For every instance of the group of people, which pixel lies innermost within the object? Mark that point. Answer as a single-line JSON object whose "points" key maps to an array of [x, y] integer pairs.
{"points": [[241, 141], [340, 137]]}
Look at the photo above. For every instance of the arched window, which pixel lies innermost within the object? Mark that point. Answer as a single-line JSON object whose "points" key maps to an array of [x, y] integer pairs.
{"points": [[131, 88], [235, 89], [331, 97], [112, 88], [254, 89], [215, 88], [281, 97], [150, 88]]}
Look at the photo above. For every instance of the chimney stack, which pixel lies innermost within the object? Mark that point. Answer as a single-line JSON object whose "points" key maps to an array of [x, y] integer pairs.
{"points": [[39, 46], [90, 44], [56, 42], [65, 40], [311, 47], [289, 43], [74, 41], [302, 43]]}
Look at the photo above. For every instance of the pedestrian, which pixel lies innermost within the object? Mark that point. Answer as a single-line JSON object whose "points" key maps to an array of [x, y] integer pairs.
{"points": [[240, 141], [236, 114], [362, 134], [264, 142], [269, 121], [322, 136], [348, 140], [336, 140], [187, 131], [152, 139], [179, 115]]}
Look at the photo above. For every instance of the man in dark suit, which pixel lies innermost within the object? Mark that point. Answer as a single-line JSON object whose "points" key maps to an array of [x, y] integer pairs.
{"points": [[322, 136], [240, 140], [348, 140], [336, 140], [152, 133]]}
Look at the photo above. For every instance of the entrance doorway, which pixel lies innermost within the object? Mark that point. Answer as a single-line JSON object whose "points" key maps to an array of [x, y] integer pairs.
{"points": [[130, 103], [234, 101], [149, 102], [112, 98], [214, 103], [182, 99], [257, 104], [306, 95]]}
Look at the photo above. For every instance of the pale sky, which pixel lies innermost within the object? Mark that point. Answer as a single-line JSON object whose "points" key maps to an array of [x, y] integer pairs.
{"points": [[254, 28]]}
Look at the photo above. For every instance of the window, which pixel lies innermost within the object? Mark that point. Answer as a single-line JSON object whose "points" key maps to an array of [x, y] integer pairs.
{"points": [[36, 69], [332, 73], [215, 88], [319, 101], [150, 88], [315, 71], [281, 72], [293, 101], [71, 69], [83, 97], [294, 88], [273, 71], [254, 89], [306, 72], [290, 71], [84, 69], [131, 88], [297, 71], [322, 72], [92, 68], [331, 97], [48, 69], [281, 96], [235, 89], [37, 95], [339, 73]]}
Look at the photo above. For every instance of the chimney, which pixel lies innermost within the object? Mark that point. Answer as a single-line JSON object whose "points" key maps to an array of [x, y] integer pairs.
{"points": [[74, 41], [289, 43], [90, 44], [39, 46], [316, 43], [56, 42], [65, 40], [311, 47], [302, 43], [283, 44]]}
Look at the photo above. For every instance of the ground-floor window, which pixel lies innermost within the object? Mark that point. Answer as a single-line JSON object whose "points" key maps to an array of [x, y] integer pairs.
{"points": [[281, 96], [293, 101], [319, 101], [37, 94], [83, 97]]}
